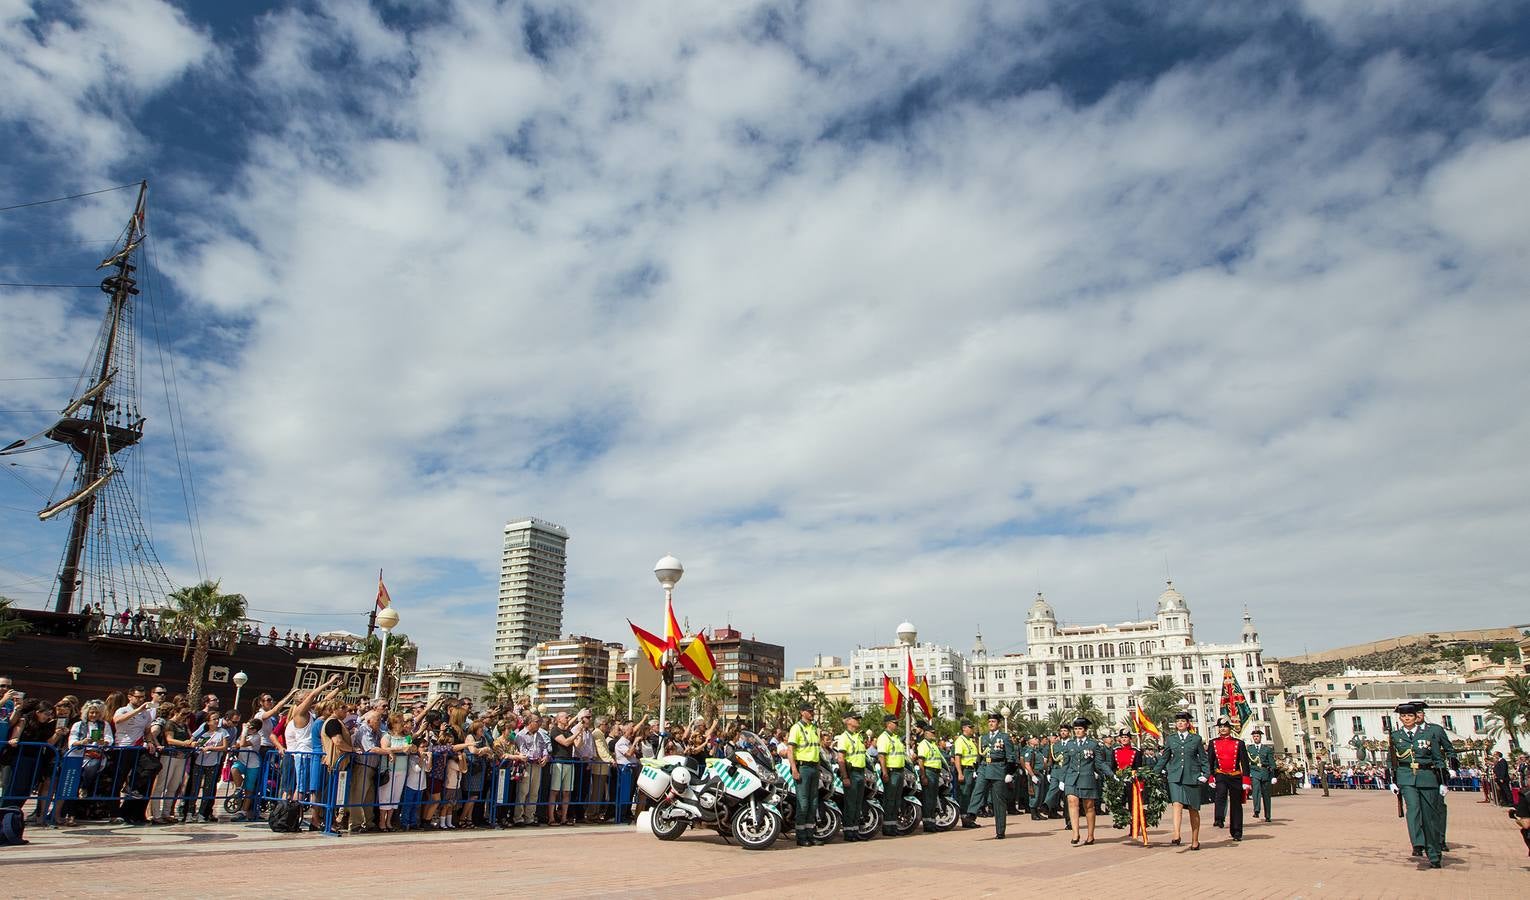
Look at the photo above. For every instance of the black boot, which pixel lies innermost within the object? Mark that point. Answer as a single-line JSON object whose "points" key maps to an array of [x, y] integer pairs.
{"points": [[969, 822]]}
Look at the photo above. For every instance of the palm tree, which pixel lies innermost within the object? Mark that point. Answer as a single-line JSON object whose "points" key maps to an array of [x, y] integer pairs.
{"points": [[610, 701], [201, 612], [504, 686], [812, 694], [1160, 700], [11, 624], [1086, 707], [401, 654], [1056, 719], [711, 697], [1511, 707], [834, 712]]}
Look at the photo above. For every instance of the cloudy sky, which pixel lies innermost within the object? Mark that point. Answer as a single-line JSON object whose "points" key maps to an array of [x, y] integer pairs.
{"points": [[866, 313]]}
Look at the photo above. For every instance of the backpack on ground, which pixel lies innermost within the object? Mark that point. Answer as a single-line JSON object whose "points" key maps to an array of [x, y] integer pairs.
{"points": [[286, 815], [12, 824]]}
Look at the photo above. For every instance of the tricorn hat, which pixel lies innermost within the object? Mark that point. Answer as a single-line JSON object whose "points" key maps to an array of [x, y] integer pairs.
{"points": [[1407, 707], [1183, 714], [994, 717], [1224, 721], [1123, 733], [1081, 722]]}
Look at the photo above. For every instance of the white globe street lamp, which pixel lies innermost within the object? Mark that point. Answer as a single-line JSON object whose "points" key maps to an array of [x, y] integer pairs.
{"points": [[631, 656], [240, 679], [387, 620], [668, 570]]}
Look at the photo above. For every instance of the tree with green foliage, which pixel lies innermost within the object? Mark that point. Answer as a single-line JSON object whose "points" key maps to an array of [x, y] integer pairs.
{"points": [[1160, 701], [401, 656], [1509, 712], [505, 686], [202, 612], [10, 623]]}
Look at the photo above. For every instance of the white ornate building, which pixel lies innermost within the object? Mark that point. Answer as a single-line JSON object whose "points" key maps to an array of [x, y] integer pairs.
{"points": [[944, 667], [1112, 663]]}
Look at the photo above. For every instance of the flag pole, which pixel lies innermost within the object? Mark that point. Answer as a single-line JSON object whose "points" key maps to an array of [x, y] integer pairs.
{"points": [[666, 674]]}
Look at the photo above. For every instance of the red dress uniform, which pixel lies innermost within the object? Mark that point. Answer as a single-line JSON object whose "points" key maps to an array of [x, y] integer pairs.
{"points": [[1230, 771]]}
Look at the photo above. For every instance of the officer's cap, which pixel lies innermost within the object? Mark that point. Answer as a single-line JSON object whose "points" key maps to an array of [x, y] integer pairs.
{"points": [[1182, 714], [994, 717], [1123, 733], [852, 715], [805, 706], [923, 725], [1081, 722], [1258, 731], [1420, 705], [1406, 707], [1223, 720], [886, 719]]}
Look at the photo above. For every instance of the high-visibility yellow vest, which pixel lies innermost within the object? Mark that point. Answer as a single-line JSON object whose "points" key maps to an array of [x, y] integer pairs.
{"points": [[804, 739], [853, 746], [890, 746], [929, 751], [966, 750]]}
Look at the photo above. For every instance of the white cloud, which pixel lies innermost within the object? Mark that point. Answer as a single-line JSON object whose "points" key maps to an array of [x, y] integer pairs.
{"points": [[636, 289]]}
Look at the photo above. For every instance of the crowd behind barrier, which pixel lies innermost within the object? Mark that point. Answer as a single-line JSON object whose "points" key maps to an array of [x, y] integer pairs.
{"points": [[143, 758]]}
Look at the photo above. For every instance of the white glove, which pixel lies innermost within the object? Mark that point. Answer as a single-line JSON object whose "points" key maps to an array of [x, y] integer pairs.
{"points": [[1202, 780], [1008, 778], [1454, 774], [1395, 790], [1444, 791], [1035, 780]]}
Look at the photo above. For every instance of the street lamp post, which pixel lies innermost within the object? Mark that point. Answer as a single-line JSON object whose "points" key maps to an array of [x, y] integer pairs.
{"points": [[908, 635], [631, 658], [240, 679], [668, 570], [387, 620], [1005, 711]]}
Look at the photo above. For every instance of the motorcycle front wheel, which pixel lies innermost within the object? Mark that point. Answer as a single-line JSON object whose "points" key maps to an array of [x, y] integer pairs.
{"points": [[947, 814], [668, 824], [871, 823], [828, 824], [755, 828], [908, 817]]}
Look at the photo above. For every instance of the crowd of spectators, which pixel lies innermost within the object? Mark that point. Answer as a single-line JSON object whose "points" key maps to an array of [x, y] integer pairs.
{"points": [[146, 757], [150, 626]]}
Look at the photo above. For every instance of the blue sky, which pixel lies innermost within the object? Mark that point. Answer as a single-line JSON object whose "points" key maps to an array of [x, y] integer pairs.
{"points": [[865, 312]]}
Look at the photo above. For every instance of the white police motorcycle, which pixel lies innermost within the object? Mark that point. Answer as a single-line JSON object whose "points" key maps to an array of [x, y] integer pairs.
{"points": [[739, 796]]}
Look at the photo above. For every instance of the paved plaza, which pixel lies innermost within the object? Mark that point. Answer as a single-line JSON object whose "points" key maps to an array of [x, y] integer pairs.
{"points": [[1348, 845]]}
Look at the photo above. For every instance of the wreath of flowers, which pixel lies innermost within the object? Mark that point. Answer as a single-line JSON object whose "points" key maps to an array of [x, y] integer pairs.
{"points": [[1117, 790]]}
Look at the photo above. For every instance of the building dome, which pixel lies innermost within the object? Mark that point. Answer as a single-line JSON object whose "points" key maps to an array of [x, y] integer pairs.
{"points": [[1171, 600], [907, 633], [1041, 610]]}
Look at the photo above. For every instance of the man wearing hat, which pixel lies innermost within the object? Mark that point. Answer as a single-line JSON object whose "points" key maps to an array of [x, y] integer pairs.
{"points": [[1421, 707], [964, 753], [1125, 756], [892, 754], [851, 745], [1086, 765], [1229, 777], [996, 768], [929, 757], [1261, 760], [805, 753], [1056, 798], [1185, 768], [1420, 757]]}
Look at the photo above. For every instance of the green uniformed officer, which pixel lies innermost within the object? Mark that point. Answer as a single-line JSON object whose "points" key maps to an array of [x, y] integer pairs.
{"points": [[1185, 768], [1034, 763], [1421, 755], [1056, 797], [965, 754], [1261, 760], [892, 754], [930, 761], [996, 768], [1086, 765], [1454, 762], [851, 745], [805, 753]]}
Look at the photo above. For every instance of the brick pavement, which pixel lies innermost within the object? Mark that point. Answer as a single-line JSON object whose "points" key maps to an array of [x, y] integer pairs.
{"points": [[1348, 845]]}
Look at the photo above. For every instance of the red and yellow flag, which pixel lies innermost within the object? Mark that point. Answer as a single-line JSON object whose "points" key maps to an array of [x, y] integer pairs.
{"points": [[672, 632], [651, 645], [1143, 725], [383, 600], [697, 657], [922, 694], [892, 698]]}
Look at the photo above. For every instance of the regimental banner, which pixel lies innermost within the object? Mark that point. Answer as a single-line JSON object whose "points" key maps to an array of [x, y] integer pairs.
{"points": [[1234, 703]]}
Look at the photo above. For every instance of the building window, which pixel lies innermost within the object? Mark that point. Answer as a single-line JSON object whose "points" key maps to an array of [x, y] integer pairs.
{"points": [[1449, 723], [1110, 703], [1205, 678], [1085, 652], [1067, 652], [1088, 683], [310, 679], [998, 674], [1355, 725], [1032, 685], [1186, 662], [1030, 670], [1110, 682], [1000, 687], [1127, 648], [1477, 724]]}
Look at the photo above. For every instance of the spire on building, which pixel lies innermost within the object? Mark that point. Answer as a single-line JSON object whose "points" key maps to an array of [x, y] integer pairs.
{"points": [[977, 645], [1250, 636]]}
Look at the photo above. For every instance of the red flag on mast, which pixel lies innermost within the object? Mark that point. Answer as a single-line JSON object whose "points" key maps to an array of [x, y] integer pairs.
{"points": [[383, 600]]}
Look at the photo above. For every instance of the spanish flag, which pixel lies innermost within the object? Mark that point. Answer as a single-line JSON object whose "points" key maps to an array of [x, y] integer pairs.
{"points": [[697, 658], [672, 632], [892, 698], [918, 689], [922, 694], [651, 645], [383, 600], [1143, 725]]}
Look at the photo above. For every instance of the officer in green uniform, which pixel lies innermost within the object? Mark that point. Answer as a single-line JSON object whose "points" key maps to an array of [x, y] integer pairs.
{"points": [[996, 768], [965, 754], [1086, 765], [1033, 761], [892, 755], [805, 753], [1056, 798], [1185, 768], [851, 745], [1455, 764], [1261, 760], [930, 762], [1421, 755]]}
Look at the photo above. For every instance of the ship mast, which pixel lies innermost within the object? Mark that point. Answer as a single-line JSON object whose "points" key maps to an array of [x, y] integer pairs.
{"points": [[105, 420]]}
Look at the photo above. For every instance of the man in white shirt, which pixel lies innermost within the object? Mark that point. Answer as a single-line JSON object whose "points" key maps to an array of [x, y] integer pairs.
{"points": [[212, 740], [138, 767]]}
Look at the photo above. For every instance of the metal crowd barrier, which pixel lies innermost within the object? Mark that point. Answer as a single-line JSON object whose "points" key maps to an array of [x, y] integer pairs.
{"points": [[135, 784]]}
